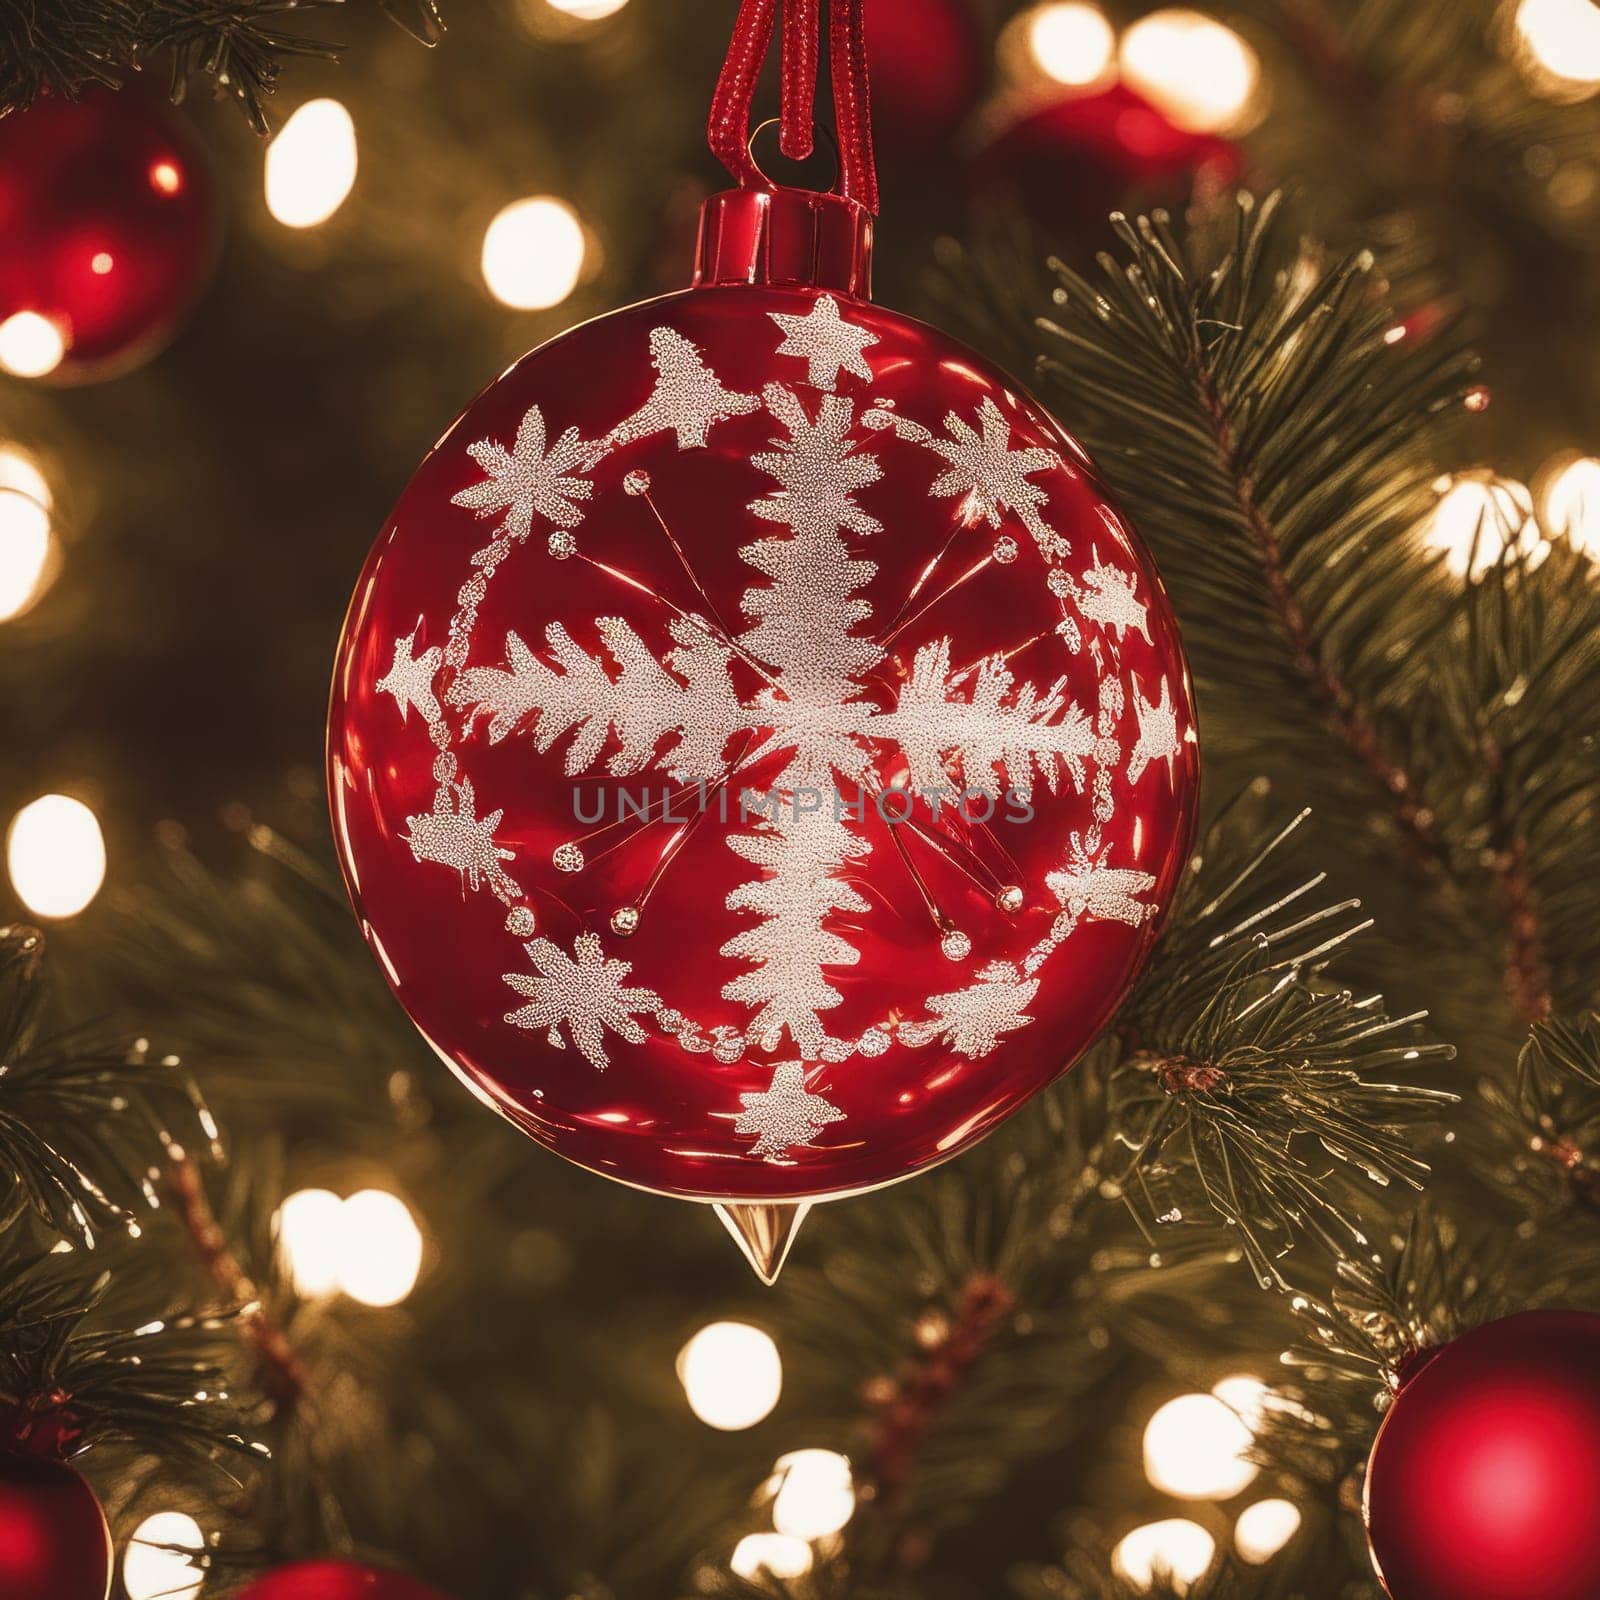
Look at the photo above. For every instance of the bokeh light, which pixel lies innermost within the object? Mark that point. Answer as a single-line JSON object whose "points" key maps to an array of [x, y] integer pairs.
{"points": [[587, 10], [311, 164], [816, 1493], [1194, 68], [380, 1248], [155, 1566], [1264, 1529], [19, 470], [307, 1228], [731, 1374], [1569, 501], [1175, 1552], [31, 345], [1071, 42], [1560, 40], [772, 1555], [56, 855], [533, 253], [1477, 518], [25, 551], [1194, 1448]]}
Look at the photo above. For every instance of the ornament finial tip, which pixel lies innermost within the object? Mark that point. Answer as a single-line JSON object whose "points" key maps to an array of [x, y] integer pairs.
{"points": [[764, 1231]]}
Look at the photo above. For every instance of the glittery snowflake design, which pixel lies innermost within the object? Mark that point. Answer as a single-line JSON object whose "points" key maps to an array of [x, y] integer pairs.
{"points": [[789, 684], [1159, 739], [525, 481], [410, 678], [452, 835], [1088, 889], [785, 1115], [826, 342], [688, 398], [583, 993]]}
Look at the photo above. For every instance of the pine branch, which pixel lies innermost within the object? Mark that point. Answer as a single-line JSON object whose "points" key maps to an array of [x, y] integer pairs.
{"points": [[80, 1118]]}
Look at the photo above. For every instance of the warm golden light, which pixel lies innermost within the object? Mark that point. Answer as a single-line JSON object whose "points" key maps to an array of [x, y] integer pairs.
{"points": [[533, 253], [156, 1564], [1561, 38], [1194, 1448], [1176, 1552], [24, 551], [770, 1555], [587, 10], [731, 1375], [165, 177], [1478, 518], [20, 471], [311, 164], [307, 1229], [1199, 72], [1264, 1529], [1570, 503], [380, 1248], [1070, 42], [30, 345], [56, 855], [816, 1493]]}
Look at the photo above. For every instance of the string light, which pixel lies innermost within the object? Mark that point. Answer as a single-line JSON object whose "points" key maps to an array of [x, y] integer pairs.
{"points": [[587, 10], [368, 1247], [1071, 42], [20, 471], [533, 253], [24, 551], [1560, 40], [1477, 517], [156, 1564], [1197, 70], [1176, 1551], [770, 1554], [1194, 1448], [30, 345], [306, 1227], [1264, 1529], [731, 1374], [1570, 502], [56, 855], [311, 164], [816, 1493]]}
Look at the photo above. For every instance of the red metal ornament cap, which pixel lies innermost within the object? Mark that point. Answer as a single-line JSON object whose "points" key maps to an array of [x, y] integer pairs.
{"points": [[785, 237]]}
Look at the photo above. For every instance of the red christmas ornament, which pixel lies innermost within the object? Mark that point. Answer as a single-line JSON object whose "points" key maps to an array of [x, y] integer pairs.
{"points": [[110, 229], [54, 1542], [337, 1580], [760, 755], [1071, 160], [927, 71], [1484, 1482]]}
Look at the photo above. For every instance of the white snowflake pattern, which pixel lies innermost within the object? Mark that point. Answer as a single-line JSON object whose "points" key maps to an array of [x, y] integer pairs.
{"points": [[527, 480], [993, 478], [410, 678], [1159, 739], [1107, 598], [785, 1115], [688, 397], [826, 342], [453, 835], [584, 993], [971, 1021], [1089, 890]]}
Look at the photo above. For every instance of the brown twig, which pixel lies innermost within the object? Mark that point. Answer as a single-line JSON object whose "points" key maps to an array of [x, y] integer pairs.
{"points": [[1527, 974], [283, 1375]]}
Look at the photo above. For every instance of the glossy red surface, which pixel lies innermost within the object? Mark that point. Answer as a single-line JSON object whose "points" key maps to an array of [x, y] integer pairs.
{"points": [[54, 1542], [108, 223], [1484, 1482], [668, 1111], [337, 1580]]}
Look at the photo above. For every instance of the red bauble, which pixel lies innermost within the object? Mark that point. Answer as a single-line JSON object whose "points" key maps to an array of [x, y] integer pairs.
{"points": [[109, 226], [54, 1542], [927, 59], [1484, 1482], [337, 1580], [1071, 160], [760, 538]]}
